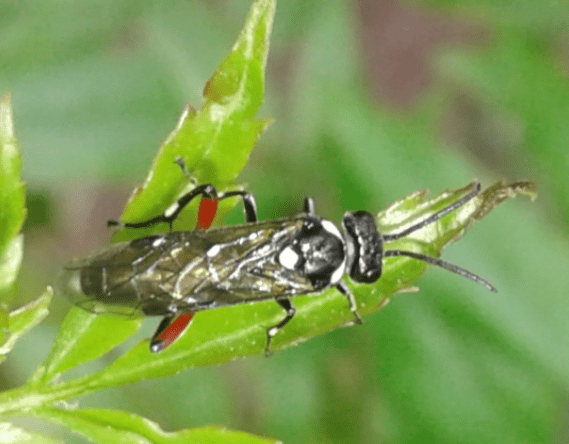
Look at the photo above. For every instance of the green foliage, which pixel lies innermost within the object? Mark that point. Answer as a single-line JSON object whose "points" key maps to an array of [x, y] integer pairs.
{"points": [[112, 426], [12, 210], [215, 140]]}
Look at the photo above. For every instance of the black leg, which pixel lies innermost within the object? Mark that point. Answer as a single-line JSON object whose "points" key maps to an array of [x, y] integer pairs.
{"points": [[271, 332], [169, 329], [249, 204], [173, 210], [207, 190], [309, 205], [155, 344], [345, 290]]}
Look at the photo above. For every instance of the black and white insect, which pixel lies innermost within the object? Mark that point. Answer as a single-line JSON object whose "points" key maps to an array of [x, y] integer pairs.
{"points": [[179, 273]]}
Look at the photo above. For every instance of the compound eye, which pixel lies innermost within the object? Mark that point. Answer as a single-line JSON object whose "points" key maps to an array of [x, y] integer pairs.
{"points": [[367, 246]]}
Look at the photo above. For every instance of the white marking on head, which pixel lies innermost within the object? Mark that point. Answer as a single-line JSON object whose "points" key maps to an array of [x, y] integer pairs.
{"points": [[331, 228], [213, 251], [288, 258], [171, 209], [338, 273]]}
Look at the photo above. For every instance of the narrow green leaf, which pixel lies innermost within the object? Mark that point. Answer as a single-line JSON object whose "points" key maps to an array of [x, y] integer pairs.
{"points": [[10, 261], [114, 426], [4, 332], [23, 319], [220, 335], [84, 336], [10, 433], [215, 140], [12, 198]]}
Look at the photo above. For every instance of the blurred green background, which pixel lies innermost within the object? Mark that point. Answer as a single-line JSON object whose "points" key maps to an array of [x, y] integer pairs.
{"points": [[372, 100]]}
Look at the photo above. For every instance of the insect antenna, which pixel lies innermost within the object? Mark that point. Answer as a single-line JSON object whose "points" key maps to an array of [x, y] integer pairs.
{"points": [[443, 264], [431, 260], [434, 217]]}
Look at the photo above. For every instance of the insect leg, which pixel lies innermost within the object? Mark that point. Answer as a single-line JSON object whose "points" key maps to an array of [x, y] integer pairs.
{"points": [[169, 329], [345, 290], [309, 205], [173, 210], [271, 332], [249, 203], [208, 207]]}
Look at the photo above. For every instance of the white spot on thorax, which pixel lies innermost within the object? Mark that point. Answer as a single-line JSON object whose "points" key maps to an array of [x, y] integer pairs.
{"points": [[288, 258]]}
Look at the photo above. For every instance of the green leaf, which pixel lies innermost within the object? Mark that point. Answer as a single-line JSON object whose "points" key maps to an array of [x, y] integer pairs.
{"points": [[215, 140], [10, 433], [23, 319], [84, 336], [113, 426], [220, 335], [12, 197], [10, 262]]}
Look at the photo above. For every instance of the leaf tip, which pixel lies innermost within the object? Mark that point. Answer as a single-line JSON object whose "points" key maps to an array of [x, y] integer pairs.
{"points": [[6, 117]]}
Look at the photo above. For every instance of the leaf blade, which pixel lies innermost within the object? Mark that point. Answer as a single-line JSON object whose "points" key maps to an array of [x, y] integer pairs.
{"points": [[23, 319], [82, 337], [107, 426], [11, 433], [215, 141], [12, 197]]}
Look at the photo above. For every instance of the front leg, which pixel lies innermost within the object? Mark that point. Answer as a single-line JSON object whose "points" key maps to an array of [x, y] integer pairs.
{"points": [[208, 208], [345, 290]]}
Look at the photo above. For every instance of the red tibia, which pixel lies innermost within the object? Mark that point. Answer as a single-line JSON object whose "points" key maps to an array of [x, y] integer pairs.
{"points": [[206, 212], [175, 329]]}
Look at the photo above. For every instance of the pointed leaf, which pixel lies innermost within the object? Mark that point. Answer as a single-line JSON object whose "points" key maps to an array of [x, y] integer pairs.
{"points": [[23, 319], [10, 261], [215, 140], [84, 336], [114, 426], [12, 197], [10, 433]]}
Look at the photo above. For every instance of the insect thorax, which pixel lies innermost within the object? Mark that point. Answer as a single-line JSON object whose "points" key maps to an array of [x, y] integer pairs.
{"points": [[317, 252]]}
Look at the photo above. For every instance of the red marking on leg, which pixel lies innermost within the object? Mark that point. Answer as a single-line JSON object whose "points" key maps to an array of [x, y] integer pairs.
{"points": [[175, 329], [206, 212]]}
